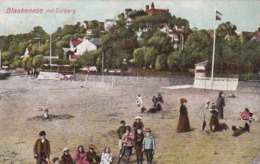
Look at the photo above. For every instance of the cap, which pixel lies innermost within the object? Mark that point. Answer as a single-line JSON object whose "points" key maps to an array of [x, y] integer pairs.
{"points": [[147, 130], [42, 133], [122, 122]]}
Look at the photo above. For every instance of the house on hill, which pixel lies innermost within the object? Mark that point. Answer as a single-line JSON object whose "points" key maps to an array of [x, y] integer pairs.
{"points": [[109, 23], [78, 47], [154, 11]]}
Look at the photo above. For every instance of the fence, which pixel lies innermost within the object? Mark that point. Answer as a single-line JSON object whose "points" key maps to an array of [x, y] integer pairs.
{"points": [[229, 84]]}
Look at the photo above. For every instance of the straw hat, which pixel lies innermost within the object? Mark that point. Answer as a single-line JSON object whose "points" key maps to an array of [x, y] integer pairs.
{"points": [[138, 117], [183, 100], [65, 149]]}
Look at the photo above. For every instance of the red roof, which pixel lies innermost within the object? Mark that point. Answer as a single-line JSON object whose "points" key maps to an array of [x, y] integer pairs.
{"points": [[76, 42]]}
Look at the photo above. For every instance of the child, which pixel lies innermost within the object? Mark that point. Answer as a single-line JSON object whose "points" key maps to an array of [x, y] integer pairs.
{"points": [[138, 146], [81, 156], [66, 157], [92, 155], [46, 113], [120, 131], [42, 148], [139, 101], [127, 140], [106, 157], [148, 145], [56, 160]]}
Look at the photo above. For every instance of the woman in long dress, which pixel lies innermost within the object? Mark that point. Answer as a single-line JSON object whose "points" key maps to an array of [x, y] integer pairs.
{"points": [[183, 124]]}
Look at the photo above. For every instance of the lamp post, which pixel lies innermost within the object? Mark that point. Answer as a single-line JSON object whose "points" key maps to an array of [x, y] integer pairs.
{"points": [[103, 53], [50, 49], [0, 59]]}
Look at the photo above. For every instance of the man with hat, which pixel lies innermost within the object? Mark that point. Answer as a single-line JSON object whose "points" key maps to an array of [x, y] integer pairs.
{"points": [[148, 145], [92, 155], [66, 157], [183, 124], [120, 131], [127, 140], [42, 149]]}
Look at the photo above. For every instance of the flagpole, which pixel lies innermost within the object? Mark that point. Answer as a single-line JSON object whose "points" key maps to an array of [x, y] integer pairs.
{"points": [[213, 53]]}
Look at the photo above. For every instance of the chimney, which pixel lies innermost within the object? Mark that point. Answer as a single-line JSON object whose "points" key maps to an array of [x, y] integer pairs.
{"points": [[147, 7]]}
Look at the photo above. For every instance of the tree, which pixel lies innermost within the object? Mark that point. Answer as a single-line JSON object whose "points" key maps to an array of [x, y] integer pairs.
{"points": [[198, 47], [161, 62], [139, 56], [150, 56], [37, 61], [174, 61]]}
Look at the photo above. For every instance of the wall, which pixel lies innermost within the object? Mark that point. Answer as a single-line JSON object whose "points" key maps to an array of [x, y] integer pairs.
{"points": [[137, 80]]}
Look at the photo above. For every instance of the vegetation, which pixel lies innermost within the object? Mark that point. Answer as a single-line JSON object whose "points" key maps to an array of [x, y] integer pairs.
{"points": [[235, 54]]}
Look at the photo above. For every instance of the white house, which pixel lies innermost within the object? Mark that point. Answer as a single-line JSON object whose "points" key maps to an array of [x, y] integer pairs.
{"points": [[85, 46], [109, 23], [78, 47]]}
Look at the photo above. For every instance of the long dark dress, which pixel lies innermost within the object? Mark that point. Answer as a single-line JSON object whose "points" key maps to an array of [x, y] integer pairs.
{"points": [[214, 120], [184, 124]]}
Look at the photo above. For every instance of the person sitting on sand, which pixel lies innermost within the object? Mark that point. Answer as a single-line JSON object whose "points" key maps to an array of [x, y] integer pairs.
{"points": [[246, 114], [143, 109], [160, 98], [240, 130]]}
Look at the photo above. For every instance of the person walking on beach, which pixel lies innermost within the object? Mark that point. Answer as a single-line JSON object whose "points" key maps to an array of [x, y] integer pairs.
{"points": [[42, 149], [148, 146], [139, 100], [183, 124], [220, 105]]}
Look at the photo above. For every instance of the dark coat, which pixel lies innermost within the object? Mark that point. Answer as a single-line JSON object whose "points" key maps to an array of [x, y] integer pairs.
{"points": [[220, 101], [214, 118], [120, 131], [66, 159], [46, 148], [183, 124]]}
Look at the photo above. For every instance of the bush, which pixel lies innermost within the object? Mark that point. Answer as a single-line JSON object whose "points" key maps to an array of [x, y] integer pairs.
{"points": [[4, 76]]}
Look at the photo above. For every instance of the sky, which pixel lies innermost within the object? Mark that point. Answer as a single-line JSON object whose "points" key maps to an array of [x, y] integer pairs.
{"points": [[245, 14]]}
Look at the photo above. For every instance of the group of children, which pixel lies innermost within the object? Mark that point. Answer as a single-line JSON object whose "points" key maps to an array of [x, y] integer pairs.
{"points": [[154, 108], [42, 151], [135, 138], [129, 138]]}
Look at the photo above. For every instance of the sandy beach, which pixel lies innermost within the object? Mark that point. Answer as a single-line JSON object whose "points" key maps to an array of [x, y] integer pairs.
{"points": [[89, 113]]}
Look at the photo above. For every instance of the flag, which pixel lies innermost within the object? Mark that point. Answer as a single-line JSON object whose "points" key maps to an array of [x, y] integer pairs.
{"points": [[218, 15]]}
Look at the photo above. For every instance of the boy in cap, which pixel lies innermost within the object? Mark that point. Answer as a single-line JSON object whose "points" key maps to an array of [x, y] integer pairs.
{"points": [[148, 145], [42, 149], [120, 131], [127, 140]]}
